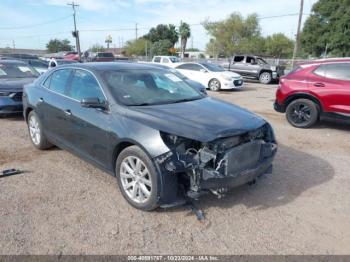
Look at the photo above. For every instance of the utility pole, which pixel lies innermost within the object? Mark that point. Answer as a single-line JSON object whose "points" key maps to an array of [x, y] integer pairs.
{"points": [[297, 40], [136, 31], [75, 33]]}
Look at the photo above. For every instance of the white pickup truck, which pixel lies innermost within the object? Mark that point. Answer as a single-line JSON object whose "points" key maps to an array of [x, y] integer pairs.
{"points": [[170, 61]]}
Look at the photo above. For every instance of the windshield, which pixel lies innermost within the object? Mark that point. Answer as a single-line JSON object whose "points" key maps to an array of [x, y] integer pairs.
{"points": [[213, 68], [148, 87], [174, 59], [17, 71], [261, 61]]}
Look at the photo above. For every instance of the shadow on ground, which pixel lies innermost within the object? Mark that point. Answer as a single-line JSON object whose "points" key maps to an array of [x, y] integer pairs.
{"points": [[294, 173], [340, 124], [13, 117]]}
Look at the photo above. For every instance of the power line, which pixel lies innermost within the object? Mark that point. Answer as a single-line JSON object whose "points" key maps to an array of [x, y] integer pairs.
{"points": [[34, 25], [279, 16]]}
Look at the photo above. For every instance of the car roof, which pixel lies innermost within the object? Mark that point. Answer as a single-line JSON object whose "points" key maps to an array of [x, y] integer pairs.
{"points": [[325, 61], [12, 62], [100, 66]]}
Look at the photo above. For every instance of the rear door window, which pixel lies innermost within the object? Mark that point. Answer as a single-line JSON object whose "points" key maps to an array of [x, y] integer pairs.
{"points": [[59, 80], [157, 59], [340, 71]]}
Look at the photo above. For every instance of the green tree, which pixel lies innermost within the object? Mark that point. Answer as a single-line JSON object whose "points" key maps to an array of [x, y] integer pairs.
{"points": [[137, 47], [278, 45], [56, 45], [97, 48], [233, 34], [161, 47], [328, 25], [185, 33], [163, 32]]}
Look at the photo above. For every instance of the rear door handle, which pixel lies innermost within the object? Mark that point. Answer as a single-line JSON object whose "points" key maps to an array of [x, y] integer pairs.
{"points": [[319, 85], [41, 99], [68, 112]]}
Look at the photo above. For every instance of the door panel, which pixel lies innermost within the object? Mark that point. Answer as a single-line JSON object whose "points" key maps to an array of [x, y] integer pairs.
{"points": [[51, 104], [88, 127], [88, 132]]}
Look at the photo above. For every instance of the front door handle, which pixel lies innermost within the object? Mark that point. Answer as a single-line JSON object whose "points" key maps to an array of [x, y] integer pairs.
{"points": [[319, 85], [68, 112], [41, 100]]}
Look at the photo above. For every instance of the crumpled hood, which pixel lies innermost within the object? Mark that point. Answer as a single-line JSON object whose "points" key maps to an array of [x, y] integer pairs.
{"points": [[202, 120], [15, 84]]}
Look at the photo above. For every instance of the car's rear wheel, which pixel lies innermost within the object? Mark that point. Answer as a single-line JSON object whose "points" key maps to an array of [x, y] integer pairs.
{"points": [[302, 113], [265, 78], [137, 178], [37, 136], [214, 85]]}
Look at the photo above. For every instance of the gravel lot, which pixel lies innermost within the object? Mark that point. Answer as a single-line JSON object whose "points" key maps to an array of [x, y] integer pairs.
{"points": [[63, 205]]}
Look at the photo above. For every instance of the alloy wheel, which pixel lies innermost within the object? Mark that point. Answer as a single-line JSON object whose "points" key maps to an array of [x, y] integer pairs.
{"points": [[300, 113], [265, 78], [34, 130], [136, 179], [214, 85]]}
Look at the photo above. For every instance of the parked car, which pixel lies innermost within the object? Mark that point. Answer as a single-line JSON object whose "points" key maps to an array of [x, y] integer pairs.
{"points": [[102, 57], [170, 61], [71, 56], [320, 87], [201, 88], [13, 76], [160, 137], [211, 76], [40, 65], [254, 67]]}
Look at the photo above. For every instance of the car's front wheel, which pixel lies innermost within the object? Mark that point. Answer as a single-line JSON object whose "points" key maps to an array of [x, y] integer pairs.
{"points": [[37, 136], [302, 113], [214, 85], [137, 178], [265, 78]]}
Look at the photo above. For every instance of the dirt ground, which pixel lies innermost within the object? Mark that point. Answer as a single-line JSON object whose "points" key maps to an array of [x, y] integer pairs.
{"points": [[63, 205]]}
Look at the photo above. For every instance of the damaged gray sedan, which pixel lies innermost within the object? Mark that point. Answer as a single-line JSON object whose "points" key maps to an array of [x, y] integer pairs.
{"points": [[163, 140]]}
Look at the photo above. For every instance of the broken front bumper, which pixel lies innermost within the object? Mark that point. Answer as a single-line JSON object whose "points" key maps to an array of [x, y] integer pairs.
{"points": [[240, 165], [218, 165]]}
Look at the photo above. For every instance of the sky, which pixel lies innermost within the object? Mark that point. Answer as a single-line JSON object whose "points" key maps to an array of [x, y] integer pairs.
{"points": [[32, 23]]}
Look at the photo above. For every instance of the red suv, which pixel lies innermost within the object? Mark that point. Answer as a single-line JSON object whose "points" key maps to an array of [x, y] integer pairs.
{"points": [[320, 87]]}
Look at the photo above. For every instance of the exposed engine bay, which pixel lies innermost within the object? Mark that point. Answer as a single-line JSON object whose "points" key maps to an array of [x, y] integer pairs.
{"points": [[218, 165]]}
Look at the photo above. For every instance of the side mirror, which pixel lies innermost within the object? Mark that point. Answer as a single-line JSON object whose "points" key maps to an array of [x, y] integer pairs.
{"points": [[203, 71], [93, 102]]}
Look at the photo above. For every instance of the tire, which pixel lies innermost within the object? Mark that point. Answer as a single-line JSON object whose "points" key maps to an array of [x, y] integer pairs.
{"points": [[36, 133], [141, 190], [302, 113], [214, 85], [265, 78]]}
